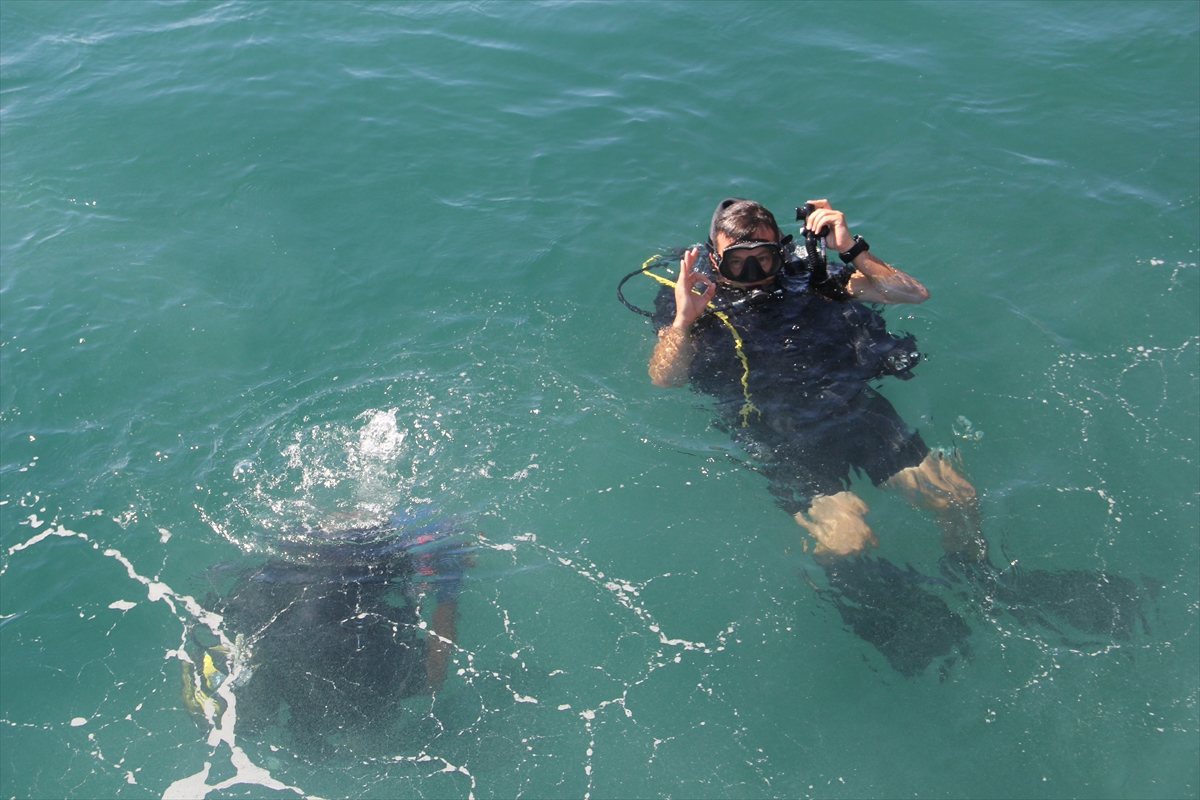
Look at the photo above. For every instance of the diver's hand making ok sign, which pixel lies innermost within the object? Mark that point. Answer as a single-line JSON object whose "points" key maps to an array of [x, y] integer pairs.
{"points": [[688, 304]]}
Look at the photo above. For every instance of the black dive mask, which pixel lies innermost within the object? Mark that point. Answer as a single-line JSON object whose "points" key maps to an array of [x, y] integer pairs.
{"points": [[740, 267]]}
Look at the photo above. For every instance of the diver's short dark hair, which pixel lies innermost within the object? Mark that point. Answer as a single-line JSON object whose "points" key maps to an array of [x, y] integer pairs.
{"points": [[738, 219]]}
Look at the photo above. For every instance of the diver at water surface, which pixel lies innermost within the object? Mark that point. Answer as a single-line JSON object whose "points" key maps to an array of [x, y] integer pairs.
{"points": [[331, 634], [812, 353], [783, 341]]}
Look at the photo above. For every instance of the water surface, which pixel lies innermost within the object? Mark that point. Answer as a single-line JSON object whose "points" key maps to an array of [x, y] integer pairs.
{"points": [[269, 264]]}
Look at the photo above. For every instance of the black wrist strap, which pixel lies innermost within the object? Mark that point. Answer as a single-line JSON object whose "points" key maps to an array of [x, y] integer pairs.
{"points": [[860, 246]]}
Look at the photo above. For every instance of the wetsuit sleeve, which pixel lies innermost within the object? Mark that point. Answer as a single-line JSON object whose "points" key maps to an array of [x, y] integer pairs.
{"points": [[831, 290], [831, 287]]}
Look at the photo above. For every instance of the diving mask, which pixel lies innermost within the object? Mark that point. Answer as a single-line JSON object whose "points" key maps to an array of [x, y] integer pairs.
{"points": [[751, 261]]}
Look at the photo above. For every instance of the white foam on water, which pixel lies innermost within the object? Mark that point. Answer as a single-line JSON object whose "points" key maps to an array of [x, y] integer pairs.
{"points": [[381, 437], [193, 787], [499, 664], [627, 595]]}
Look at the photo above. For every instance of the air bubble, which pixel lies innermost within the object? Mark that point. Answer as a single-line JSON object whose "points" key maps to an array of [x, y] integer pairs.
{"points": [[963, 428]]}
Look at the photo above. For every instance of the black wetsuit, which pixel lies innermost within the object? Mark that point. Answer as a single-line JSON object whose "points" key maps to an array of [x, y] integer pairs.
{"points": [[333, 624], [807, 414]]}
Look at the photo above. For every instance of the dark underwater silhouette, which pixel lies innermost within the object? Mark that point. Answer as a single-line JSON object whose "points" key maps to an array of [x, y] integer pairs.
{"points": [[909, 625], [912, 626], [332, 630], [1094, 603]]}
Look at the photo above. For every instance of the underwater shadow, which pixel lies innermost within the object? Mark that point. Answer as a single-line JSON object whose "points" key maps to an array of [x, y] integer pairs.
{"points": [[331, 635], [912, 626]]}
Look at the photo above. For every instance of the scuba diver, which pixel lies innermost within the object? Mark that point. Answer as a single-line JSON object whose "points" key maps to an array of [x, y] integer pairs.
{"points": [[784, 343], [811, 351], [330, 634]]}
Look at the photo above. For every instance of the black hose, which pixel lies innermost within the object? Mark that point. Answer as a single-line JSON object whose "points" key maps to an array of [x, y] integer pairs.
{"points": [[621, 296], [657, 261], [818, 265]]}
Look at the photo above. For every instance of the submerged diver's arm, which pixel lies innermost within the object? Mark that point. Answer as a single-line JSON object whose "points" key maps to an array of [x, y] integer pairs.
{"points": [[671, 357], [441, 639], [873, 280], [674, 350]]}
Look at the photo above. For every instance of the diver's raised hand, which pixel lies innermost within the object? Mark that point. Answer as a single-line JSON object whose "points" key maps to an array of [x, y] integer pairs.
{"points": [[674, 350], [688, 304], [873, 280], [839, 237]]}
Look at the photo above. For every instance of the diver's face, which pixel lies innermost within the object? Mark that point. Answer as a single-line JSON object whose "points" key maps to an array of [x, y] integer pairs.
{"points": [[763, 254]]}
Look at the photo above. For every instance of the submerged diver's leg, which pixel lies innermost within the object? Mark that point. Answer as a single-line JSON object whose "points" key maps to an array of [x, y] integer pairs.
{"points": [[836, 522], [809, 469], [935, 485]]}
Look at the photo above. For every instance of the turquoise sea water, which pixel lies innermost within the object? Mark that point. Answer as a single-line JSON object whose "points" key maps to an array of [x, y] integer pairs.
{"points": [[269, 264]]}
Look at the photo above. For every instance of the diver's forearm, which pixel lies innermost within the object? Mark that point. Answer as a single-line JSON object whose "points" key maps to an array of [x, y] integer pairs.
{"points": [[876, 281], [672, 356], [441, 638]]}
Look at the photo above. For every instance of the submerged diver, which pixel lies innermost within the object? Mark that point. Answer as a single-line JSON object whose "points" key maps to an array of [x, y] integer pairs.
{"points": [[330, 635], [785, 345]]}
